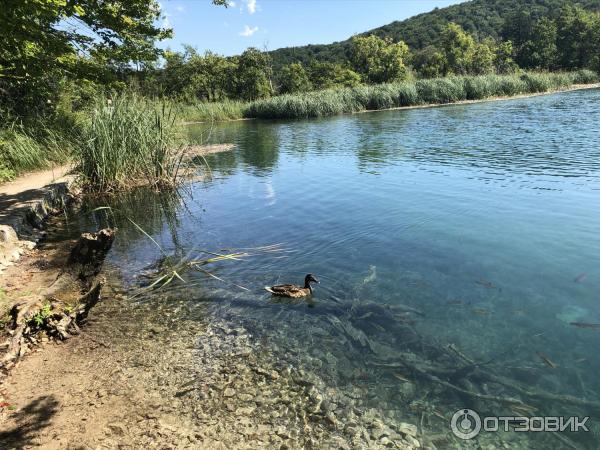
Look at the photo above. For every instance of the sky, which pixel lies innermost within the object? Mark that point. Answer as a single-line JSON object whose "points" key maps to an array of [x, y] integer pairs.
{"points": [[273, 24]]}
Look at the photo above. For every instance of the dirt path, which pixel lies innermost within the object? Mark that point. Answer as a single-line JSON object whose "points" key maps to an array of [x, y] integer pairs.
{"points": [[34, 180]]}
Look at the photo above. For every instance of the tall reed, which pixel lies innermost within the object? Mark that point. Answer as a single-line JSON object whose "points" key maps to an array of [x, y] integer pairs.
{"points": [[421, 92], [131, 139], [209, 112]]}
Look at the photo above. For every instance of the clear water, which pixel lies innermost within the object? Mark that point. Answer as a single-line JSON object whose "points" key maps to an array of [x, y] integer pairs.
{"points": [[483, 217]]}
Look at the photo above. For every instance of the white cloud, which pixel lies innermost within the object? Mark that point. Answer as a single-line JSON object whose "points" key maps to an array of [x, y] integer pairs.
{"points": [[248, 31], [180, 8], [231, 4], [251, 6]]}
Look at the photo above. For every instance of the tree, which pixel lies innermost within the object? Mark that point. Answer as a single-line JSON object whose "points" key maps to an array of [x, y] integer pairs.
{"points": [[379, 60], [253, 75], [294, 78], [503, 58], [482, 57], [595, 33], [574, 40], [325, 75], [540, 51], [430, 62], [44, 40], [459, 48]]}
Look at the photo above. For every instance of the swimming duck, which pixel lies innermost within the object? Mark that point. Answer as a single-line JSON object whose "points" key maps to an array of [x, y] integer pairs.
{"points": [[293, 291]]}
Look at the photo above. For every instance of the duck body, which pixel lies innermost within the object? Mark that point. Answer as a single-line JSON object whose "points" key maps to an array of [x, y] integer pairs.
{"points": [[293, 290]]}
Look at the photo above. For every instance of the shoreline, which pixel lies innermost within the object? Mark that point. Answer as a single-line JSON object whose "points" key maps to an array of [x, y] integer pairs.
{"points": [[575, 87]]}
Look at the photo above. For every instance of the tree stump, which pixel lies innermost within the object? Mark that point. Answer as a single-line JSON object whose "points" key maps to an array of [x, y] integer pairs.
{"points": [[88, 255]]}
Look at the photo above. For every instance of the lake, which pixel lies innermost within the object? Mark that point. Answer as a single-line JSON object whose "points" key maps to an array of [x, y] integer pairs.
{"points": [[455, 246]]}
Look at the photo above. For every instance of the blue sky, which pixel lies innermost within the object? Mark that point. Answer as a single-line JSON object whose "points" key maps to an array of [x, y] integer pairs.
{"points": [[280, 23]]}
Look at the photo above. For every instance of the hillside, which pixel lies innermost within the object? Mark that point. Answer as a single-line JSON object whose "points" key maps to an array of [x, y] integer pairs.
{"points": [[479, 17]]}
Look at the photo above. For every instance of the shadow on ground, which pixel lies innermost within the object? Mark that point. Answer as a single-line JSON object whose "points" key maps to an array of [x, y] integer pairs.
{"points": [[11, 202], [28, 422]]}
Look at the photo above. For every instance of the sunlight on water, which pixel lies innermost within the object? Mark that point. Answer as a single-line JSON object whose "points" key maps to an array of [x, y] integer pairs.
{"points": [[483, 218]]}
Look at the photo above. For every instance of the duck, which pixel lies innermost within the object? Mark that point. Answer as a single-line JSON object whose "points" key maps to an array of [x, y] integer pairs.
{"points": [[292, 290]]}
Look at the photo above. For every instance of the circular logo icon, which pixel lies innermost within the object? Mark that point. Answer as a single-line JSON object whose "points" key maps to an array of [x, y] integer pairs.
{"points": [[465, 424]]}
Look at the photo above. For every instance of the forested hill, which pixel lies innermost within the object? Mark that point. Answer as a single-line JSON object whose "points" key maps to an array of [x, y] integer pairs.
{"points": [[482, 18]]}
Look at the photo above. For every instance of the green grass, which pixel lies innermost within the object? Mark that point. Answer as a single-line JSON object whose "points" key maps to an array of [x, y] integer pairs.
{"points": [[24, 149], [209, 112], [131, 140], [418, 93]]}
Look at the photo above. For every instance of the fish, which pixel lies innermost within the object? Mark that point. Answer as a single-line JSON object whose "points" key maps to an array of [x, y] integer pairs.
{"points": [[580, 360], [481, 311], [539, 334], [580, 278], [523, 409], [455, 302], [401, 377], [547, 360], [372, 276], [485, 283], [585, 325], [439, 415]]}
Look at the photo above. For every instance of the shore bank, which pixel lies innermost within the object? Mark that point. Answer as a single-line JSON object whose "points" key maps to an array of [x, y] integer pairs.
{"points": [[577, 87]]}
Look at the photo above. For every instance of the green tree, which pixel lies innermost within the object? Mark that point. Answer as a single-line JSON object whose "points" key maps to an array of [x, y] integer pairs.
{"points": [[379, 60], [430, 62], [540, 51], [459, 48], [294, 78], [504, 58], [44, 40], [253, 75], [574, 38], [325, 75], [482, 57], [595, 40]]}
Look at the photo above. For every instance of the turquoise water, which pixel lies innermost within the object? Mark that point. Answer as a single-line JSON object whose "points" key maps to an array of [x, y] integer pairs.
{"points": [[485, 218]]}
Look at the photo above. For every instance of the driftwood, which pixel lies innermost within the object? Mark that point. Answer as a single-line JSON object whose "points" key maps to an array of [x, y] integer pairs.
{"points": [[88, 255], [448, 376], [80, 275]]}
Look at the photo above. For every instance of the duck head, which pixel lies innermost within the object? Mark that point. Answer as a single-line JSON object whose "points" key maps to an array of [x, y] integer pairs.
{"points": [[309, 279]]}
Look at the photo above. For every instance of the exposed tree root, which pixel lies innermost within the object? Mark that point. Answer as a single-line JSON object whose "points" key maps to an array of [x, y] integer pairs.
{"points": [[66, 303]]}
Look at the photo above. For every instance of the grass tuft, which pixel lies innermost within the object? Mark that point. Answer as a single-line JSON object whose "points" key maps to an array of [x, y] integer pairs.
{"points": [[130, 140]]}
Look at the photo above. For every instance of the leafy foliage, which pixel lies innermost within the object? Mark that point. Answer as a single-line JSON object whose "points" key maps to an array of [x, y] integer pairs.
{"points": [[498, 19], [379, 60]]}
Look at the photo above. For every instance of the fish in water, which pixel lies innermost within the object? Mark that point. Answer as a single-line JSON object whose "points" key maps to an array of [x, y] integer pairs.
{"points": [[455, 303], [372, 276], [485, 283], [481, 311], [585, 325], [546, 360], [401, 377], [580, 278]]}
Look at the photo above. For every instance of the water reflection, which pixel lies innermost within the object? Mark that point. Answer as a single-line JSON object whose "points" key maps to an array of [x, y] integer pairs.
{"points": [[505, 141], [435, 231]]}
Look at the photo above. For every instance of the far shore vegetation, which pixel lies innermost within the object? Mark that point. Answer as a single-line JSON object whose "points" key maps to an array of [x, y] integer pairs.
{"points": [[114, 105]]}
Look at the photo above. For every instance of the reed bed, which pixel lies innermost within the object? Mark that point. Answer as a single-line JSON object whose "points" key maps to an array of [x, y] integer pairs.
{"points": [[212, 112], [421, 92], [133, 139]]}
